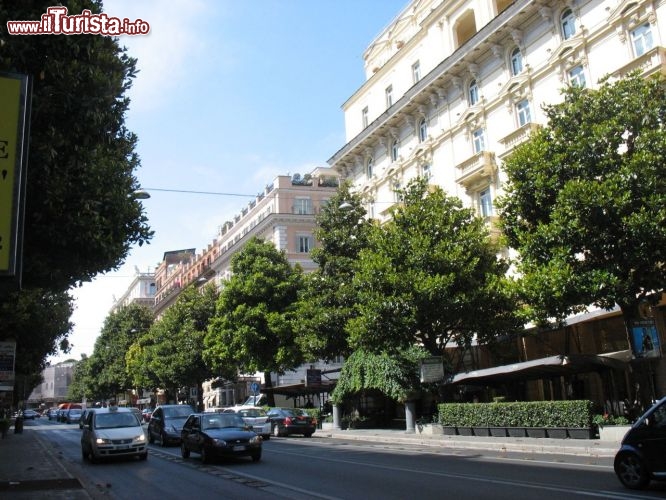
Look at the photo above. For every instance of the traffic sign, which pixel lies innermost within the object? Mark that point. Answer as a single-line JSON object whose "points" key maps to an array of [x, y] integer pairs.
{"points": [[254, 387]]}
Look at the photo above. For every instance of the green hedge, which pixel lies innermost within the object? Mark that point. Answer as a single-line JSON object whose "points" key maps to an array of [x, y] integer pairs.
{"points": [[577, 413]]}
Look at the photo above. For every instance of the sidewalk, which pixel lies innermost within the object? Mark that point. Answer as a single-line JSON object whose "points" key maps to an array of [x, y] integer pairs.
{"points": [[30, 468], [580, 447]]}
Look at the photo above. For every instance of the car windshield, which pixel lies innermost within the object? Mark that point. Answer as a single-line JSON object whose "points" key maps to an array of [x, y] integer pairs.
{"points": [[114, 420], [177, 412], [221, 421]]}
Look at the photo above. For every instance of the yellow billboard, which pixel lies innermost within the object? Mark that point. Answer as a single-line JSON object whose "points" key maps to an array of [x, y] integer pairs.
{"points": [[13, 152]]}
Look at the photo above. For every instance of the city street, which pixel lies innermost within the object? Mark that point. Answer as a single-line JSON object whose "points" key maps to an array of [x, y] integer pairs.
{"points": [[320, 467]]}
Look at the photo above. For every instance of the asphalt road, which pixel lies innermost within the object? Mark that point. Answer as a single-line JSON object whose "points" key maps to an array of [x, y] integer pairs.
{"points": [[323, 468]]}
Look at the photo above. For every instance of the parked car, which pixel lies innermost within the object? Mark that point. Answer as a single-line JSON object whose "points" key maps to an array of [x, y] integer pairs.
{"points": [[30, 414], [257, 418], [73, 415], [287, 421], [112, 432], [146, 413], [219, 435], [52, 413], [642, 455], [84, 416], [166, 422]]}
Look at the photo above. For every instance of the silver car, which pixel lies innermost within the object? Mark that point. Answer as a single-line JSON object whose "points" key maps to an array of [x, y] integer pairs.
{"points": [[255, 417], [112, 432]]}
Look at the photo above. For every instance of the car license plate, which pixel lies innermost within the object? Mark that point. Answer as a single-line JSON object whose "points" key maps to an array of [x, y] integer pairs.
{"points": [[123, 447], [239, 448]]}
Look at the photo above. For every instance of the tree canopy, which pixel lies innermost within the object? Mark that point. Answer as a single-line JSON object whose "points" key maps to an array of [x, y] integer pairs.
{"points": [[327, 300], [430, 276], [585, 200], [80, 216], [173, 347], [107, 366], [252, 328]]}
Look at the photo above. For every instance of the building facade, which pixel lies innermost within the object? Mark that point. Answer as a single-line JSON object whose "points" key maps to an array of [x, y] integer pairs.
{"points": [[284, 214], [55, 383], [452, 87]]}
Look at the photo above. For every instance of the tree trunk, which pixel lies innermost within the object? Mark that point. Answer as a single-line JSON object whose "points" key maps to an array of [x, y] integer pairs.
{"points": [[268, 384]]}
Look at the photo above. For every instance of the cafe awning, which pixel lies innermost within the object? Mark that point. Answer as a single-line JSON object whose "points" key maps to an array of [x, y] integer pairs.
{"points": [[552, 366], [295, 390]]}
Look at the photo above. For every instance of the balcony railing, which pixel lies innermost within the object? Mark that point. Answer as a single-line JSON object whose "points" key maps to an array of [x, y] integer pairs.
{"points": [[476, 168]]}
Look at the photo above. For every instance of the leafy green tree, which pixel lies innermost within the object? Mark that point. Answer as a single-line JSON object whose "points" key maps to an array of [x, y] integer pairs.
{"points": [[430, 276], [80, 217], [38, 320], [108, 362], [82, 385], [585, 202], [326, 302], [395, 375], [252, 328], [175, 355]]}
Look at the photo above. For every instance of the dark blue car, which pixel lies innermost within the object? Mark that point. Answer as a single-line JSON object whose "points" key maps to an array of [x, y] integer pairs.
{"points": [[642, 456]]}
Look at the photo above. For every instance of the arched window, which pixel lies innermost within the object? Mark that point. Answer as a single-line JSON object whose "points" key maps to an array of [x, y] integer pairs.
{"points": [[568, 24], [394, 150], [473, 93], [423, 130], [516, 61], [368, 167]]}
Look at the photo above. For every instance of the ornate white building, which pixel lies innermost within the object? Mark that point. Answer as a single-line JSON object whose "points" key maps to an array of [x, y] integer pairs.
{"points": [[452, 87]]}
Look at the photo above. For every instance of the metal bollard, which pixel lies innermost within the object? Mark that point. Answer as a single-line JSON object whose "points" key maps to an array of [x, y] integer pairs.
{"points": [[18, 425]]}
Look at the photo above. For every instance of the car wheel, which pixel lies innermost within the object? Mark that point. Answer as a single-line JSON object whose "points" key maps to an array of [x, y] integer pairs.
{"points": [[256, 457], [163, 439], [631, 471], [184, 452], [265, 437], [308, 434], [143, 456], [276, 430], [84, 454], [204, 456], [151, 438]]}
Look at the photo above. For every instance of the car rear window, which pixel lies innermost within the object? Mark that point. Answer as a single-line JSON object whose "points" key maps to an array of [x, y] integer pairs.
{"points": [[178, 412]]}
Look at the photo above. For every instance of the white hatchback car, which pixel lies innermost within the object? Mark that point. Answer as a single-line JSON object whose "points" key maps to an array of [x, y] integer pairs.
{"points": [[113, 432]]}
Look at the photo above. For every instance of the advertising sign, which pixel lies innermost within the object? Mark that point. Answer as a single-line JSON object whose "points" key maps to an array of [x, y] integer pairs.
{"points": [[645, 342], [13, 152], [432, 369], [7, 357]]}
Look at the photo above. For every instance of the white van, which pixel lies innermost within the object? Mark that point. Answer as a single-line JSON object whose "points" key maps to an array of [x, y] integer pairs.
{"points": [[113, 432]]}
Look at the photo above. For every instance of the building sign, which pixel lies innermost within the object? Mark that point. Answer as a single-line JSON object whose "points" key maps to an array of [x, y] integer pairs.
{"points": [[13, 159], [645, 342], [7, 357], [432, 369], [312, 378]]}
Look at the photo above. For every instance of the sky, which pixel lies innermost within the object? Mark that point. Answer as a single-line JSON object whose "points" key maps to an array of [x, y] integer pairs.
{"points": [[229, 95]]}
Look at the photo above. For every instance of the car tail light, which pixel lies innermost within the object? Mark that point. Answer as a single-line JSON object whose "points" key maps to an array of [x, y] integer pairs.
{"points": [[287, 421]]}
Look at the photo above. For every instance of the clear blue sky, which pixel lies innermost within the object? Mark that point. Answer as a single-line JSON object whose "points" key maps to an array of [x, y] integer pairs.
{"points": [[230, 94]]}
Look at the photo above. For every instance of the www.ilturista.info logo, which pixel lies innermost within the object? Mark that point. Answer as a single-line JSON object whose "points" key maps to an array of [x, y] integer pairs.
{"points": [[56, 22]]}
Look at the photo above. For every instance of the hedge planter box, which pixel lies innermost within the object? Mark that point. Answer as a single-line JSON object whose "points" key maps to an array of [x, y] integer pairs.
{"points": [[498, 431], [536, 432], [517, 432], [613, 432], [481, 431], [580, 433], [449, 430], [557, 432], [464, 431]]}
